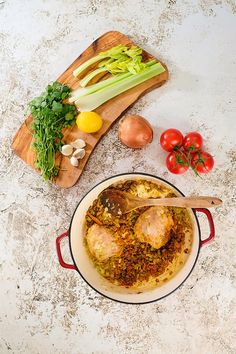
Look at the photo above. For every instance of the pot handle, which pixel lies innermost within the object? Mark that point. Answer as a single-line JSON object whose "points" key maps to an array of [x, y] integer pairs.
{"points": [[211, 224], [58, 246]]}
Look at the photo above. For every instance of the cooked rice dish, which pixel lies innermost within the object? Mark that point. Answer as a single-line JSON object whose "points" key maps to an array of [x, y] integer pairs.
{"points": [[144, 247]]}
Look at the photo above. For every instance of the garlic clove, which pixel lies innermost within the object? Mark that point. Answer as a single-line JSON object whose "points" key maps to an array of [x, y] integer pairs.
{"points": [[66, 150], [79, 153], [78, 144], [74, 161]]}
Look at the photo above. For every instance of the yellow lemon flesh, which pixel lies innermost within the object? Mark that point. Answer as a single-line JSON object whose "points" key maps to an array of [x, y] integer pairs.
{"points": [[89, 122]]}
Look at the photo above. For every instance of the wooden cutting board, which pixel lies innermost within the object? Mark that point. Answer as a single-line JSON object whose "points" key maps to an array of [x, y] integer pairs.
{"points": [[109, 111]]}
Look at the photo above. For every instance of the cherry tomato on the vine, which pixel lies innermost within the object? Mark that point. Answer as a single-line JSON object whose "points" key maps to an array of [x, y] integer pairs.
{"points": [[193, 142], [202, 162], [177, 162], [171, 139]]}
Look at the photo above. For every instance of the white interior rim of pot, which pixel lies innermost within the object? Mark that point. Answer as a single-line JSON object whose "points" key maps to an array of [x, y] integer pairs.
{"points": [[89, 273]]}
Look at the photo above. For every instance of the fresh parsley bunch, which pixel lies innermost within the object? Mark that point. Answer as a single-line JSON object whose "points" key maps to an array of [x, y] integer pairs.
{"points": [[50, 116]]}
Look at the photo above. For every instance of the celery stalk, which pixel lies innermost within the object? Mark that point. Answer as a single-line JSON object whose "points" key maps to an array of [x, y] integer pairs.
{"points": [[86, 64], [90, 76], [101, 84], [95, 87], [92, 101]]}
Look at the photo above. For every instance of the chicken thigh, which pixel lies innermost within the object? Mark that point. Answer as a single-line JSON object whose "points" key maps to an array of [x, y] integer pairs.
{"points": [[101, 243], [154, 226]]}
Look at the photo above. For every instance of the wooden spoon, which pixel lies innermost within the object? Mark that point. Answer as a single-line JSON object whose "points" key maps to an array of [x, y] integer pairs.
{"points": [[118, 202]]}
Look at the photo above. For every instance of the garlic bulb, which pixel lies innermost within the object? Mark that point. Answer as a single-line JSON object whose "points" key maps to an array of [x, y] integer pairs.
{"points": [[78, 144], [79, 153], [74, 161], [66, 150]]}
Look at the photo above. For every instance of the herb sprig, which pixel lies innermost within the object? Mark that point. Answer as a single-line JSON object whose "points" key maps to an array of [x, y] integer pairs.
{"points": [[50, 116]]}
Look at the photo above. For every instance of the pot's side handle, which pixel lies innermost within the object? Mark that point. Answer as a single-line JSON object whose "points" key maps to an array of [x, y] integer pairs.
{"points": [[211, 224], [58, 246]]}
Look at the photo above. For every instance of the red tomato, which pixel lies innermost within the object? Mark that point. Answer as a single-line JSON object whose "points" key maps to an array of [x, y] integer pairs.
{"points": [[171, 139], [202, 162], [193, 142], [177, 162]]}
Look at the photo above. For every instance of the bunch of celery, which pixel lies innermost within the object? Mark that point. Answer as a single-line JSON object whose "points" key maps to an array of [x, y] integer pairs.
{"points": [[127, 69]]}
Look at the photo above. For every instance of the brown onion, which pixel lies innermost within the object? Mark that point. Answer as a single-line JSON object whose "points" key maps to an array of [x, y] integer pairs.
{"points": [[135, 131]]}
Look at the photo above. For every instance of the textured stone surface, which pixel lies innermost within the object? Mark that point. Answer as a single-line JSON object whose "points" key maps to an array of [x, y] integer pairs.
{"points": [[46, 309]]}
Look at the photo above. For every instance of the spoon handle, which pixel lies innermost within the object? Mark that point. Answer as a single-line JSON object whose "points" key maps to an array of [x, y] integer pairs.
{"points": [[184, 202]]}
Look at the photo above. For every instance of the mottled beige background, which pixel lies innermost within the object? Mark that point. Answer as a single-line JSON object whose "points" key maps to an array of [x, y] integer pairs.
{"points": [[46, 309]]}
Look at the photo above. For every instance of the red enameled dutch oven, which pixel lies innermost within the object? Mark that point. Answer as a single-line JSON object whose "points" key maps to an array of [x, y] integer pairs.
{"points": [[84, 266]]}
